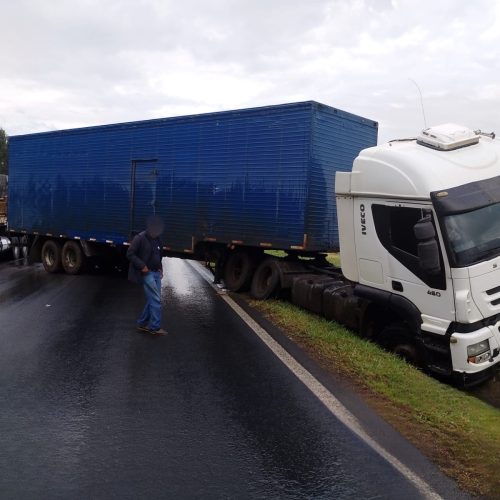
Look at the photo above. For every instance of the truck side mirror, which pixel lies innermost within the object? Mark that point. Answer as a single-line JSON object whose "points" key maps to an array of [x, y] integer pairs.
{"points": [[428, 246]]}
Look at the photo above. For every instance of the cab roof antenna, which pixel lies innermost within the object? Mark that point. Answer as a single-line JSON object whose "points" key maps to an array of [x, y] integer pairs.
{"points": [[421, 100]]}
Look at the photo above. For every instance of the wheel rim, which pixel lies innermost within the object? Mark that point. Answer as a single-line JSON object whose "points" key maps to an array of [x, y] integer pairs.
{"points": [[268, 274], [407, 352], [50, 257], [70, 258]]}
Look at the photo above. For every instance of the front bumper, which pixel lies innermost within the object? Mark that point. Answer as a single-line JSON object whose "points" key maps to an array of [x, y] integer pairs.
{"points": [[464, 379], [475, 372]]}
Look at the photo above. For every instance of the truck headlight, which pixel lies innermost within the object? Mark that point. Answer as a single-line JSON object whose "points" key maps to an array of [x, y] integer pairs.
{"points": [[479, 353]]}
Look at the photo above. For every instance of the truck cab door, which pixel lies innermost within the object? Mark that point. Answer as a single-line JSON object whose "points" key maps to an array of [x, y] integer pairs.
{"points": [[431, 292]]}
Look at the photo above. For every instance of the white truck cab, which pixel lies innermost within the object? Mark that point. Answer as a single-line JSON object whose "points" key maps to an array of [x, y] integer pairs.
{"points": [[419, 224]]}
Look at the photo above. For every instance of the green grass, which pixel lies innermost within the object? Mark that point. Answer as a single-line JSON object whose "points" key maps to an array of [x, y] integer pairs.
{"points": [[332, 258], [457, 431], [276, 253]]}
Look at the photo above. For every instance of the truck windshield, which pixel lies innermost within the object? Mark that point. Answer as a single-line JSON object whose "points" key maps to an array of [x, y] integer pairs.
{"points": [[474, 236]]}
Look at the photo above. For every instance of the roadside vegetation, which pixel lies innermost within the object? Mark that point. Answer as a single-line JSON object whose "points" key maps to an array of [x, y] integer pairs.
{"points": [[455, 430], [332, 258], [4, 147]]}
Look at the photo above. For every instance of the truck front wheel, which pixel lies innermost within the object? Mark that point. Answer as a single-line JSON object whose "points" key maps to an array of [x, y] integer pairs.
{"points": [[73, 259], [407, 351], [398, 339], [51, 256]]}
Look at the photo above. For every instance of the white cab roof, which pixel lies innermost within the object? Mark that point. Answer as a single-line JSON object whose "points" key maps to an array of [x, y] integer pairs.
{"points": [[405, 169]]}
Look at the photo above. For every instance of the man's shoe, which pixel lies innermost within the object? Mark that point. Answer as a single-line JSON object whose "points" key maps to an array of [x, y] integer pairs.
{"points": [[158, 332], [143, 328]]}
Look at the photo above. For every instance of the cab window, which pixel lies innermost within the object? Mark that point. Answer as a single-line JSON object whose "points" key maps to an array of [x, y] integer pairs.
{"points": [[394, 227]]}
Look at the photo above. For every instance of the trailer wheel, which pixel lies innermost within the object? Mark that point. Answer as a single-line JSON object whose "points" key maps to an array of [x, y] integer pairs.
{"points": [[25, 248], [238, 271], [16, 249], [73, 259], [266, 280], [51, 256]]}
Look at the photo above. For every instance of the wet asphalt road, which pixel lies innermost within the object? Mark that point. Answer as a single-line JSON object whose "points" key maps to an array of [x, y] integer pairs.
{"points": [[92, 409]]}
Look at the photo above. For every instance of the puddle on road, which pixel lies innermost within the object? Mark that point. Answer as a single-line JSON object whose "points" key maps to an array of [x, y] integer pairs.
{"points": [[178, 274], [15, 285], [6, 257]]}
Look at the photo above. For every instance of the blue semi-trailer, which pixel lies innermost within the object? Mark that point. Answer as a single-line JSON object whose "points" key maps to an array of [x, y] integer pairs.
{"points": [[246, 180]]}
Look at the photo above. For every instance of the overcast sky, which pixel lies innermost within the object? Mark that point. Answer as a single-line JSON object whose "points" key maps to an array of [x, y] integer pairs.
{"points": [[74, 63]]}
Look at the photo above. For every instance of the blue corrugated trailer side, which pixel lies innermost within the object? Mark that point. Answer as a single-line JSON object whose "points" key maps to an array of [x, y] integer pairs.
{"points": [[228, 185], [261, 177]]}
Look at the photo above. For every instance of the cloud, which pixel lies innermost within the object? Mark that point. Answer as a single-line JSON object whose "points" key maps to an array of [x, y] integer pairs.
{"points": [[67, 63]]}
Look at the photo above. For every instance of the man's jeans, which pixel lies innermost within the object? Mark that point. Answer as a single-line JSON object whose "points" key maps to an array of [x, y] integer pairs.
{"points": [[151, 315]]}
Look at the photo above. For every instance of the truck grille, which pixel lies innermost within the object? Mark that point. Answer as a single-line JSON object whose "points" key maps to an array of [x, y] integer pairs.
{"points": [[493, 296]]}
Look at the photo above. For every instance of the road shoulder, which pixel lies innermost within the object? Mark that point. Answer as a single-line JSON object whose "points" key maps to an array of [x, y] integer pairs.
{"points": [[354, 400], [340, 392]]}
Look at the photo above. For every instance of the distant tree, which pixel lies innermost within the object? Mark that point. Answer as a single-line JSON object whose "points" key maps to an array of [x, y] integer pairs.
{"points": [[4, 148]]}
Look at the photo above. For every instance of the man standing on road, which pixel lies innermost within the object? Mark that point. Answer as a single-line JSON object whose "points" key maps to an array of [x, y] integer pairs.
{"points": [[146, 268]]}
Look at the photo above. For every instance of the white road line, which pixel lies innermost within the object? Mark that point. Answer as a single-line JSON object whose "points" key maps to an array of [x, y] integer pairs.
{"points": [[320, 391]]}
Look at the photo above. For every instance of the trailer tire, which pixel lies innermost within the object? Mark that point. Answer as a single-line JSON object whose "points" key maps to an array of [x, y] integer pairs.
{"points": [[25, 249], [238, 271], [73, 259], [266, 280], [16, 249], [51, 256]]}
